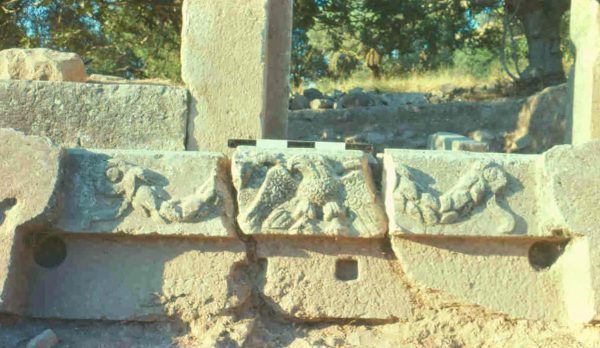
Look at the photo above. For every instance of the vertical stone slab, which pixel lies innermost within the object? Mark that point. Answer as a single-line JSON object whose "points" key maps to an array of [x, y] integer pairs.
{"points": [[585, 34], [235, 61], [30, 169], [573, 196]]}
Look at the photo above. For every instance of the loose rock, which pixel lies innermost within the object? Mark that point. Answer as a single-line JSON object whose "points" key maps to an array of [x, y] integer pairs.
{"points": [[46, 339], [41, 64]]}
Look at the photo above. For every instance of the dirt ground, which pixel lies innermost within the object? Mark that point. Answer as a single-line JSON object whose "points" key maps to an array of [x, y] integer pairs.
{"points": [[437, 322]]}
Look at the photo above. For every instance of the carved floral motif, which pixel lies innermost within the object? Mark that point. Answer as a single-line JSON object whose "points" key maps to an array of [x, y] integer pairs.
{"points": [[481, 184]]}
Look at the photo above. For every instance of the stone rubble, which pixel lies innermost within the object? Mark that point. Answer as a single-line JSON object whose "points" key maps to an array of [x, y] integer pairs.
{"points": [[46, 339], [455, 142], [41, 64]]}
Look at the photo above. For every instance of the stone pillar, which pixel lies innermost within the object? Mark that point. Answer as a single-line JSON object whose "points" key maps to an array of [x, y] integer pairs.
{"points": [[235, 58], [585, 34]]}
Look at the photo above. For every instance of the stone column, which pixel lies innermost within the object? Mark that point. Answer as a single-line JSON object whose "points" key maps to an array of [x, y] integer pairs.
{"points": [[235, 58], [585, 34]]}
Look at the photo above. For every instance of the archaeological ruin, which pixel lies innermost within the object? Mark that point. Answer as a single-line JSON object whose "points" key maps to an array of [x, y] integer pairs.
{"points": [[122, 202]]}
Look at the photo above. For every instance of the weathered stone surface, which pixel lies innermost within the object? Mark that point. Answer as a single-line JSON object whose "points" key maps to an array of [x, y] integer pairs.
{"points": [[470, 145], [585, 35], [499, 275], [46, 339], [97, 115], [312, 94], [455, 142], [109, 278], [314, 279], [306, 192], [324, 103], [572, 196], [572, 188], [235, 61], [299, 102], [30, 172], [400, 99], [461, 194], [406, 126], [41, 64], [138, 192], [542, 122]]}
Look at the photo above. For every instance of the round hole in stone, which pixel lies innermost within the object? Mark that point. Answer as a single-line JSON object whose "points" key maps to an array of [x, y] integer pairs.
{"points": [[49, 251], [542, 255]]}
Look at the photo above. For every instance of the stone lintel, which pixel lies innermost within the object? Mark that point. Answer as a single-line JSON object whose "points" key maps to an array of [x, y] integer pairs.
{"points": [[307, 192], [145, 192]]}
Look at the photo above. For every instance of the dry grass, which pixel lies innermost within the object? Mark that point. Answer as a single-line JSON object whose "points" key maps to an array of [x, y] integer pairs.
{"points": [[416, 82]]}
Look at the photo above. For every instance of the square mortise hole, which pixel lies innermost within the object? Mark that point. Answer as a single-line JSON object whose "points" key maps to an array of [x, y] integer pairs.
{"points": [[346, 269]]}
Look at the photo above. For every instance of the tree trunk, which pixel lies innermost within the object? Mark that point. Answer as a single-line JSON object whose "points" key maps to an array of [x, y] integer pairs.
{"points": [[541, 20]]}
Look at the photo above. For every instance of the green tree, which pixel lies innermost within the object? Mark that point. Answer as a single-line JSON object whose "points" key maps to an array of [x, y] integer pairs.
{"points": [[134, 38]]}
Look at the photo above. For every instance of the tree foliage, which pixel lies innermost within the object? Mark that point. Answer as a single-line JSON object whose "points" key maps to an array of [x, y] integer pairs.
{"points": [[134, 38], [141, 38]]}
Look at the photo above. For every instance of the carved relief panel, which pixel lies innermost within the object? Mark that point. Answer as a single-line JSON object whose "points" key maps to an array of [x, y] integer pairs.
{"points": [[461, 195], [147, 193], [301, 192]]}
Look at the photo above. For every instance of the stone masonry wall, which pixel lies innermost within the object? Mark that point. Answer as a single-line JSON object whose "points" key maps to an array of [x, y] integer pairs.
{"points": [[192, 235]]}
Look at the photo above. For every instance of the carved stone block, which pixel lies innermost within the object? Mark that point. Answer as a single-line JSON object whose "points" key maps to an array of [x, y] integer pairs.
{"points": [[137, 192], [99, 116], [312, 279], [455, 142], [461, 194], [524, 278], [305, 192], [572, 198], [140, 279], [30, 171]]}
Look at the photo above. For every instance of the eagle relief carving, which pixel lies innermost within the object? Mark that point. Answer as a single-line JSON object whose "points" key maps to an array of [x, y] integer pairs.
{"points": [[481, 185], [310, 193]]}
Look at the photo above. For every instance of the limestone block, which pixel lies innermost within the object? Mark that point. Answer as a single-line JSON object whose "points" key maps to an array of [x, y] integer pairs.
{"points": [[138, 192], [524, 278], [307, 192], [140, 279], [104, 116], [315, 279], [585, 35], [455, 142], [29, 167], [572, 193], [461, 194], [41, 64], [235, 61], [572, 188]]}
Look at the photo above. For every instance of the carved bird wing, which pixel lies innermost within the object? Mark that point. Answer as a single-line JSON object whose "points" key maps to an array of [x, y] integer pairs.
{"points": [[360, 199], [278, 187]]}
